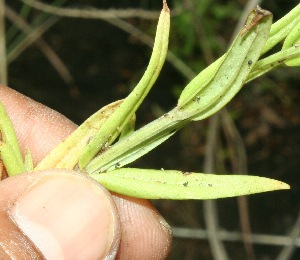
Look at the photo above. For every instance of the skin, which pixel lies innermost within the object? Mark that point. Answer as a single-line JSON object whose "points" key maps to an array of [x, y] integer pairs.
{"points": [[138, 232]]}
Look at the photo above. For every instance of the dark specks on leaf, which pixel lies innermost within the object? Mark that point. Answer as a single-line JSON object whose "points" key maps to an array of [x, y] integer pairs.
{"points": [[185, 184], [250, 62], [210, 185]]}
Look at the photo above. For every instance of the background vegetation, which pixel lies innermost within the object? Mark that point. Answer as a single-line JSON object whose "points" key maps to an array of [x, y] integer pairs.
{"points": [[77, 65]]}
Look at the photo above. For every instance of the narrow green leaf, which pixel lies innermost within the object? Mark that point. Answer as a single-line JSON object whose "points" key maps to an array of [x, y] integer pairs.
{"points": [[177, 185], [10, 152], [8, 157], [281, 28], [292, 40], [115, 124]]}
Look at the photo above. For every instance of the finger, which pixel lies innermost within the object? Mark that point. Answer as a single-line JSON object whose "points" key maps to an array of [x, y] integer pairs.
{"points": [[146, 234], [40, 129], [56, 214]]}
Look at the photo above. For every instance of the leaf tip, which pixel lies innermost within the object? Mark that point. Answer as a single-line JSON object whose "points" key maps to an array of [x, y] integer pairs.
{"points": [[165, 6], [278, 185], [253, 19], [283, 186]]}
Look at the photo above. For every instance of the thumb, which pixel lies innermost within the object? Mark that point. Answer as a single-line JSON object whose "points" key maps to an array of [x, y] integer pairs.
{"points": [[56, 214]]}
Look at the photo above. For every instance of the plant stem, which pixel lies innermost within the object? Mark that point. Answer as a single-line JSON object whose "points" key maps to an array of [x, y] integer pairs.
{"points": [[139, 142]]}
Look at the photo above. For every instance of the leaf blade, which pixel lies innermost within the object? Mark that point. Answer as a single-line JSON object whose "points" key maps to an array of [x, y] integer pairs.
{"points": [[169, 184]]}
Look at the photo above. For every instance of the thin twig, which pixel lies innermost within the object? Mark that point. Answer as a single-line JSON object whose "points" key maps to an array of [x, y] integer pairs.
{"points": [[113, 17], [34, 36], [3, 63], [210, 208], [200, 32], [148, 40], [238, 159], [287, 251], [91, 13], [231, 236]]}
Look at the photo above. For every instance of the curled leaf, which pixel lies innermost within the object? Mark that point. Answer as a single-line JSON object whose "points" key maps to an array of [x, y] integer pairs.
{"points": [[115, 124], [177, 185], [67, 153], [203, 97]]}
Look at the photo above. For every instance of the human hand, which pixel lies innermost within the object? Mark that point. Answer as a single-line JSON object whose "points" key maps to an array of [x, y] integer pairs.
{"points": [[60, 214]]}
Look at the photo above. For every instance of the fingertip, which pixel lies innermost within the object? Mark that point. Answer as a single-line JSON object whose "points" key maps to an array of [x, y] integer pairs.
{"points": [[67, 216]]}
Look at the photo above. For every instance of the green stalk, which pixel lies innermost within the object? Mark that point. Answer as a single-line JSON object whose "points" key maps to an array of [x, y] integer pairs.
{"points": [[278, 59], [139, 142]]}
